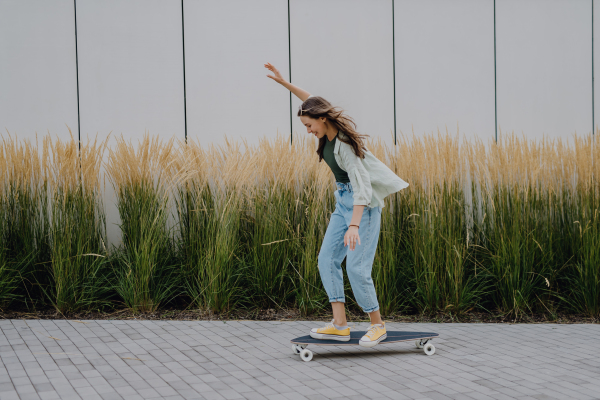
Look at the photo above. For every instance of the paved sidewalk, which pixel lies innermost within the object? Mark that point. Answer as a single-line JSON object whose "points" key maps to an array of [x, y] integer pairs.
{"points": [[253, 360]]}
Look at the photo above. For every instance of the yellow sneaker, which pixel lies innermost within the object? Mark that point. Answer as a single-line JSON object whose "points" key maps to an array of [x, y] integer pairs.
{"points": [[374, 335], [330, 332]]}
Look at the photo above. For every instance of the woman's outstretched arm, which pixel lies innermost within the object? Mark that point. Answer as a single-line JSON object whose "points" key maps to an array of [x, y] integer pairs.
{"points": [[301, 94]]}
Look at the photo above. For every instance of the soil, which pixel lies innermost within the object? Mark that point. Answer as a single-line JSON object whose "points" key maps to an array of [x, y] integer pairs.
{"points": [[294, 315]]}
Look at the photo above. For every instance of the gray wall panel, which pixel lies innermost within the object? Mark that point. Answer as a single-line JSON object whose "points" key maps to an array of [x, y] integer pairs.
{"points": [[445, 67], [131, 67], [227, 44], [596, 66], [38, 87], [130, 74], [342, 50], [544, 67]]}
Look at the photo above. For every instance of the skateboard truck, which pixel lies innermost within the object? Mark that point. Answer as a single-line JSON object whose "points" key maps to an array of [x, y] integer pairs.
{"points": [[427, 347], [301, 349]]}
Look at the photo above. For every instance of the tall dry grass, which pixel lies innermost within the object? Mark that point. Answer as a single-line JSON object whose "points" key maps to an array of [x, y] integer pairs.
{"points": [[510, 227], [210, 204], [24, 204], [436, 248], [77, 226], [146, 266], [252, 224], [537, 194], [293, 200]]}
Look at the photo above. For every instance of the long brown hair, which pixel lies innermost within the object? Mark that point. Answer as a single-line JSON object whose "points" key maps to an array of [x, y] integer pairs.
{"points": [[316, 107]]}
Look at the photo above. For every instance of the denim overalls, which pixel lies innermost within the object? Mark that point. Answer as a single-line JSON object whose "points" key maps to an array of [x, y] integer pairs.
{"points": [[360, 260]]}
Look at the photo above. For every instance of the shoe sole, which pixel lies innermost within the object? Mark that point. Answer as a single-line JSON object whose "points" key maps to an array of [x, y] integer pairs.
{"points": [[325, 336], [373, 343]]}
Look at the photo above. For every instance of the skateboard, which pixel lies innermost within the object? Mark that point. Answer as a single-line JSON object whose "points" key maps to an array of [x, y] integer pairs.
{"points": [[422, 341]]}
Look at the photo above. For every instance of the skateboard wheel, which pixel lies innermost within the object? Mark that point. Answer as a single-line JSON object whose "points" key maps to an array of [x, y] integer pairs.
{"points": [[429, 349], [419, 344], [296, 349], [306, 355]]}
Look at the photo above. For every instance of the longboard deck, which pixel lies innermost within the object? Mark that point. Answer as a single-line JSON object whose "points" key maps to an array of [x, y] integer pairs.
{"points": [[392, 337]]}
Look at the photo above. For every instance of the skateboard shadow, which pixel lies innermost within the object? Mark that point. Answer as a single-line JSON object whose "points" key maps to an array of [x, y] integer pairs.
{"points": [[366, 353]]}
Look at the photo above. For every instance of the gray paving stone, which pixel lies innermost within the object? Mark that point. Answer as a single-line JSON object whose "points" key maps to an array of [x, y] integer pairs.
{"points": [[49, 395], [252, 360]]}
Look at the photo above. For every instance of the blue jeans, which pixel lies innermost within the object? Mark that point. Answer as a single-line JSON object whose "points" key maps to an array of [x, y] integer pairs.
{"points": [[360, 260]]}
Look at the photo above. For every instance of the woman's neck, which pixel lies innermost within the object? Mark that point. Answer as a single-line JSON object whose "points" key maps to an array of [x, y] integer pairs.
{"points": [[331, 133]]}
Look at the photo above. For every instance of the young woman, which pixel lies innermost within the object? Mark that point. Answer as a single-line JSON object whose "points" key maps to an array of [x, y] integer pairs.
{"points": [[362, 182]]}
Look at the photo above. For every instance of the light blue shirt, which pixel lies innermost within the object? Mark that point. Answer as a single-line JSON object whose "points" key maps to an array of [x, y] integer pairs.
{"points": [[371, 180]]}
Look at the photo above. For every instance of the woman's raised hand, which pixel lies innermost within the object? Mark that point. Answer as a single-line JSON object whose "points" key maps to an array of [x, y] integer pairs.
{"points": [[277, 78], [301, 94]]}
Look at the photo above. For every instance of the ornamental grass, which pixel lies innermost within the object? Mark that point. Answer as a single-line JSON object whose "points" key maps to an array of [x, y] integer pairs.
{"points": [[509, 227]]}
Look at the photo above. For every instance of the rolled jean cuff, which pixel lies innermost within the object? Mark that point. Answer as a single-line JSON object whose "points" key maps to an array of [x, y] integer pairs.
{"points": [[372, 310], [337, 300]]}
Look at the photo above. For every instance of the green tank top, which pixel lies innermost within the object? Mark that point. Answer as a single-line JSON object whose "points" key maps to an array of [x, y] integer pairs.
{"points": [[340, 175]]}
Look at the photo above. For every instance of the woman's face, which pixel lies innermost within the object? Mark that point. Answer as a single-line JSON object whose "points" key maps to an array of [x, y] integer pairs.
{"points": [[316, 127]]}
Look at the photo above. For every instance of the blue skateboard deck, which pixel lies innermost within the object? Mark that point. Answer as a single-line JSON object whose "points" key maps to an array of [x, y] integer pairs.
{"points": [[392, 337], [422, 341]]}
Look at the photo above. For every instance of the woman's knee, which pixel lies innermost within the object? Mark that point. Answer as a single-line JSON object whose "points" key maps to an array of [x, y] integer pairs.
{"points": [[359, 276], [324, 262], [320, 260]]}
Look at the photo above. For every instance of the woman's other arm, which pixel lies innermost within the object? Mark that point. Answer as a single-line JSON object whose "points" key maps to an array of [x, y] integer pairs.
{"points": [[301, 94]]}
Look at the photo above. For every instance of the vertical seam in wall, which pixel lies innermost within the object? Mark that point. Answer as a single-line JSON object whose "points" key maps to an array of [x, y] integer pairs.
{"points": [[77, 76], [495, 90], [290, 70], [394, 64], [593, 110], [184, 93]]}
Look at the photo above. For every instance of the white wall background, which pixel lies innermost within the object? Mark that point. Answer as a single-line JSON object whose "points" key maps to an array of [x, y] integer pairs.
{"points": [[130, 67], [227, 44], [596, 28], [544, 67], [38, 81], [342, 50], [131, 80], [445, 67]]}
